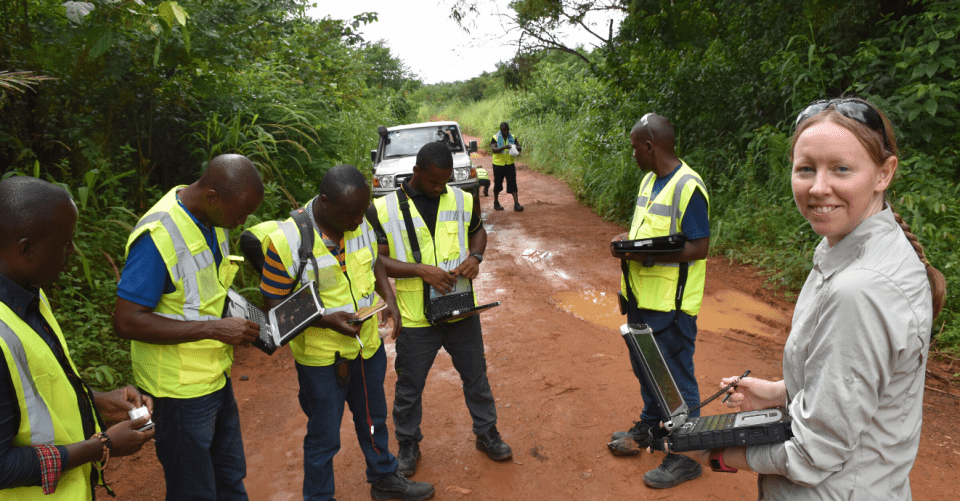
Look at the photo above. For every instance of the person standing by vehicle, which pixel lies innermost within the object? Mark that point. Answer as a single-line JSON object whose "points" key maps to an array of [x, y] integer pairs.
{"points": [[665, 291], [447, 225], [338, 360], [483, 181], [854, 365], [51, 423], [505, 147], [169, 302]]}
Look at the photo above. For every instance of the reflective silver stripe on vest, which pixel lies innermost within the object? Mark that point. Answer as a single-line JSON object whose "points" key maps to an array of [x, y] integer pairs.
{"points": [[347, 308], [188, 266], [642, 200], [459, 215], [225, 243], [366, 238], [677, 194], [41, 423], [392, 228], [174, 316], [365, 301], [395, 227], [292, 235]]}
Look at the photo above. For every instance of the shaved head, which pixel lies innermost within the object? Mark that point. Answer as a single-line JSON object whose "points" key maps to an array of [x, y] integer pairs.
{"points": [[230, 175], [660, 130], [28, 206]]}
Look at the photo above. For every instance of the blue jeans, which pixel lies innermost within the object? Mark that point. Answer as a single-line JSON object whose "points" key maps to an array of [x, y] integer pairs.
{"points": [[417, 348], [199, 446], [677, 342], [322, 400]]}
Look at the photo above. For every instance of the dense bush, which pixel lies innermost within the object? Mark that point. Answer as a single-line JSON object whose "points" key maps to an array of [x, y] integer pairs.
{"points": [[136, 97], [733, 82]]}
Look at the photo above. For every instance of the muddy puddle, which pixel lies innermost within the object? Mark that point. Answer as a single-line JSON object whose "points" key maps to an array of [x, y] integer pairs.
{"points": [[725, 310]]}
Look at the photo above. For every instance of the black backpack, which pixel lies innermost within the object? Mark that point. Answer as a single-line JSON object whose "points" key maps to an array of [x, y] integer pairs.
{"points": [[252, 247]]}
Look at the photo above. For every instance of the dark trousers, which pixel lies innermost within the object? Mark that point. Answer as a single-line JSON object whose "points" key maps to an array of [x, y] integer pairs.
{"points": [[508, 172], [417, 348], [322, 400], [677, 342], [199, 446]]}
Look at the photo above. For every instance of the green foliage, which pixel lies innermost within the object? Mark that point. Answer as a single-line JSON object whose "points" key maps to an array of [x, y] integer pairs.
{"points": [[137, 97], [732, 76]]}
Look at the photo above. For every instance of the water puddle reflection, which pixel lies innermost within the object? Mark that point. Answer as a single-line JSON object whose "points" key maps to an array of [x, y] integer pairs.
{"points": [[535, 255], [596, 307]]}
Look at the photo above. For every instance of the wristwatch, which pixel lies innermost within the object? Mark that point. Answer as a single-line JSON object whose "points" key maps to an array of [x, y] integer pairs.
{"points": [[478, 256], [716, 462]]}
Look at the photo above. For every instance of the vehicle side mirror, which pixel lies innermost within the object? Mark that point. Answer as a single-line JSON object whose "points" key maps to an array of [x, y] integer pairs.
{"points": [[373, 156], [473, 147]]}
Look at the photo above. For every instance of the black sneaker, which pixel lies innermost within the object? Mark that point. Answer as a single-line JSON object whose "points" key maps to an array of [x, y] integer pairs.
{"points": [[517, 208], [407, 458], [491, 443], [673, 471], [397, 486], [497, 206]]}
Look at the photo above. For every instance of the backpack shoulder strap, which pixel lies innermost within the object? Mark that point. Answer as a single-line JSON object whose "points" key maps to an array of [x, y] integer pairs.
{"points": [[302, 219]]}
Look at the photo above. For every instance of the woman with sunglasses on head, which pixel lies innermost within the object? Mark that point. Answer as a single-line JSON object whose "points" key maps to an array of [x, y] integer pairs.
{"points": [[854, 363]]}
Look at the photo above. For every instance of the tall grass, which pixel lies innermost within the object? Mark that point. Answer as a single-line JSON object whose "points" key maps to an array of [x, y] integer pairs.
{"points": [[753, 217]]}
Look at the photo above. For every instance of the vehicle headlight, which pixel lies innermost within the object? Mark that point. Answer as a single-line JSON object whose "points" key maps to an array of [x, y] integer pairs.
{"points": [[461, 174], [386, 182]]}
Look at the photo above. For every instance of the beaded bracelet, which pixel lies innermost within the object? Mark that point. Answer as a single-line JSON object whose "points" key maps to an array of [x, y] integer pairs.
{"points": [[107, 449]]}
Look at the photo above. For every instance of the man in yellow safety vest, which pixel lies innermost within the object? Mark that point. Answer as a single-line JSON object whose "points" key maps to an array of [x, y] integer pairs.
{"points": [[170, 302], [664, 291], [451, 239], [51, 422], [340, 360]]}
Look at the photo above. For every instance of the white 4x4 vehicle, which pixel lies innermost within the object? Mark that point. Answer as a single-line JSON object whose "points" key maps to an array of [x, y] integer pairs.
{"points": [[396, 154]]}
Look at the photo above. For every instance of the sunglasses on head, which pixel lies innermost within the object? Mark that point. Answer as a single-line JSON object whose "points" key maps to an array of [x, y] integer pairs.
{"points": [[853, 108]]}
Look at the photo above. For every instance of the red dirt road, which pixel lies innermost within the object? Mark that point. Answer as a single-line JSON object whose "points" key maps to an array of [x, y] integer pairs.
{"points": [[559, 372]]}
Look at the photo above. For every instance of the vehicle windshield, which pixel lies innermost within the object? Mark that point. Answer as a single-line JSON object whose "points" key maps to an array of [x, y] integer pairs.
{"points": [[408, 142]]}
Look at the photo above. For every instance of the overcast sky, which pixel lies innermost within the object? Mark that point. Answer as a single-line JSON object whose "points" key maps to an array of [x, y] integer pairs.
{"points": [[421, 33]]}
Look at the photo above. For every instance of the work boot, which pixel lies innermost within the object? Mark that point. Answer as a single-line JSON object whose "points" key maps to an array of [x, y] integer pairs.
{"points": [[673, 471], [640, 432], [629, 443], [517, 207], [491, 443], [497, 206], [397, 486], [408, 457]]}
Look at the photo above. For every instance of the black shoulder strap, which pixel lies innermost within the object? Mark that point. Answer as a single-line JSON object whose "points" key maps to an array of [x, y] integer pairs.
{"points": [[408, 221], [302, 219]]}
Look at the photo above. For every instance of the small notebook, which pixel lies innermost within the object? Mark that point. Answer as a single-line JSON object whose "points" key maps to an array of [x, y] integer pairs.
{"points": [[364, 314], [283, 322], [698, 433]]}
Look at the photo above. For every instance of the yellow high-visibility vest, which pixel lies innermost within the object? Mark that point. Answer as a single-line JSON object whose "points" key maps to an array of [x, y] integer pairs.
{"points": [[504, 158], [482, 173], [49, 411], [446, 249], [338, 291], [655, 288], [196, 368]]}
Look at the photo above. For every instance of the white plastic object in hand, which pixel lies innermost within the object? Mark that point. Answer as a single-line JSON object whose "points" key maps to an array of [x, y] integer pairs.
{"points": [[139, 412], [514, 151]]}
